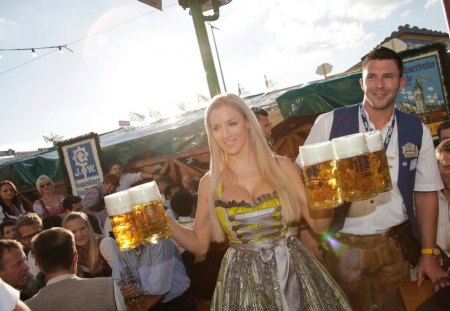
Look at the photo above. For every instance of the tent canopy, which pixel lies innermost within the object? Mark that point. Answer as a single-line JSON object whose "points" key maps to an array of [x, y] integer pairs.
{"points": [[321, 96], [124, 145]]}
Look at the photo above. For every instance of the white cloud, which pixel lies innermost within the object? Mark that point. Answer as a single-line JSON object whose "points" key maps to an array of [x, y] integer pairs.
{"points": [[405, 13], [370, 10], [430, 3]]}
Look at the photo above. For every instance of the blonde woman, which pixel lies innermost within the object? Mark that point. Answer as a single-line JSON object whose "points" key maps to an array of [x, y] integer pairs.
{"points": [[254, 199], [96, 253], [50, 203]]}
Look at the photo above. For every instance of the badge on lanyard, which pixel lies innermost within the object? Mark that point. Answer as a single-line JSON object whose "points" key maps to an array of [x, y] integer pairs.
{"points": [[410, 150]]}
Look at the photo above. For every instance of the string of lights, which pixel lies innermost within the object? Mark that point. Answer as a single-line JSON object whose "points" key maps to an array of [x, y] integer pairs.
{"points": [[63, 47], [60, 48]]}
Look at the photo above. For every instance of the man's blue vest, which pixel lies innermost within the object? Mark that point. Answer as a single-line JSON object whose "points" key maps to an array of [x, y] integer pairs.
{"points": [[409, 129]]}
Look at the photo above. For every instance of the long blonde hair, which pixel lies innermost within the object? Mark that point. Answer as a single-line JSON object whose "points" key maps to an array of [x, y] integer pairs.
{"points": [[265, 160], [94, 264]]}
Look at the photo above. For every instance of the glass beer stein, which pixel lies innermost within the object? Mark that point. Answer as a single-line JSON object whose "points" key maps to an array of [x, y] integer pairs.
{"points": [[319, 171], [353, 168], [123, 220], [151, 217], [378, 162]]}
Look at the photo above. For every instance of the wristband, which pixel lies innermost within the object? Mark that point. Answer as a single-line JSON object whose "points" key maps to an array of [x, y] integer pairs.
{"points": [[430, 251]]}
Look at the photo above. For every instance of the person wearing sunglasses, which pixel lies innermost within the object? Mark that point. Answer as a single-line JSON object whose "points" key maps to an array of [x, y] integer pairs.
{"points": [[27, 226], [50, 203]]}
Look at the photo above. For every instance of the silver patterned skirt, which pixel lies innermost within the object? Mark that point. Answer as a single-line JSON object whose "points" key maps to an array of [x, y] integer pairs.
{"points": [[279, 275]]}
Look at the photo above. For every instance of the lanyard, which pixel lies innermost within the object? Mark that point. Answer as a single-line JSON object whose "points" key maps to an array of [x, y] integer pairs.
{"points": [[367, 127]]}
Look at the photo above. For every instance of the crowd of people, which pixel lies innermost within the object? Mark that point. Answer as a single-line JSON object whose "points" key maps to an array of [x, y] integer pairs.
{"points": [[252, 200]]}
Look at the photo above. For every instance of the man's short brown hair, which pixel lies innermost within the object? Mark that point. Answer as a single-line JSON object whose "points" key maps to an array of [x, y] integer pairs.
{"points": [[112, 179], [6, 244], [28, 220], [54, 249], [444, 146], [383, 53]]}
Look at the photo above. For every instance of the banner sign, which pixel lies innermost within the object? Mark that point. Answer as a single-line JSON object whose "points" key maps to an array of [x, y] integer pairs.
{"points": [[424, 93], [80, 157]]}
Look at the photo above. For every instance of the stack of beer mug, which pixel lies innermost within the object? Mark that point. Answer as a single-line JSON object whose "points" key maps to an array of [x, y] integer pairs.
{"points": [[137, 216], [348, 168]]}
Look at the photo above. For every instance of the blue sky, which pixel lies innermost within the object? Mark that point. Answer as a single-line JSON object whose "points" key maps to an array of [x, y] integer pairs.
{"points": [[149, 60]]}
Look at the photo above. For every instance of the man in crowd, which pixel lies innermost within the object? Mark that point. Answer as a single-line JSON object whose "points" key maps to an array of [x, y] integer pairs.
{"points": [[57, 258], [163, 182], [443, 130], [264, 122], [186, 180], [128, 179], [373, 267], [27, 226], [14, 270], [161, 277], [443, 228], [169, 191], [93, 202]]}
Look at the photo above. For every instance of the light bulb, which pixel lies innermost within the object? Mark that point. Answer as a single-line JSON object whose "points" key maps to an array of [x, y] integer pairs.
{"points": [[60, 50], [33, 53]]}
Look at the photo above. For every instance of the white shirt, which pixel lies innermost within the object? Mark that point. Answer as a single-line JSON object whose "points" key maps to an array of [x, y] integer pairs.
{"points": [[376, 215], [443, 227], [9, 296], [31, 263], [126, 180]]}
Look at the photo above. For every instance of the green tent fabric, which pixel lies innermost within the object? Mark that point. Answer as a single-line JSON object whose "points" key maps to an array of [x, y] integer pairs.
{"points": [[124, 145], [321, 96]]}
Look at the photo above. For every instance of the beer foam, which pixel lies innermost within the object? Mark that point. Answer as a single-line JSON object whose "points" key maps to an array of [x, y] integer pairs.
{"points": [[374, 141], [118, 203], [316, 153], [349, 146], [144, 193]]}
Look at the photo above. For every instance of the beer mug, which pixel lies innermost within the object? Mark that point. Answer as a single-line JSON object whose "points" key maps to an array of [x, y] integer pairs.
{"points": [[353, 168], [319, 171], [151, 217], [128, 277], [378, 162], [123, 220]]}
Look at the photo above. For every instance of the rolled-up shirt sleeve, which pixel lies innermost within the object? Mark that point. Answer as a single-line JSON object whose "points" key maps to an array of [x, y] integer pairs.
{"points": [[428, 177]]}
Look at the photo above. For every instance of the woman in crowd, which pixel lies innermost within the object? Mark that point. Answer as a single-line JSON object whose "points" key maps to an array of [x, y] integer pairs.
{"points": [[50, 202], [96, 253], [255, 199], [10, 204]]}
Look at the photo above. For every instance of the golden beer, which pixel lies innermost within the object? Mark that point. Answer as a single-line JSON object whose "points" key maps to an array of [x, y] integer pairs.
{"points": [[355, 178], [319, 172], [322, 188], [378, 162], [123, 220], [380, 169], [151, 221], [151, 217], [353, 167], [126, 231]]}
